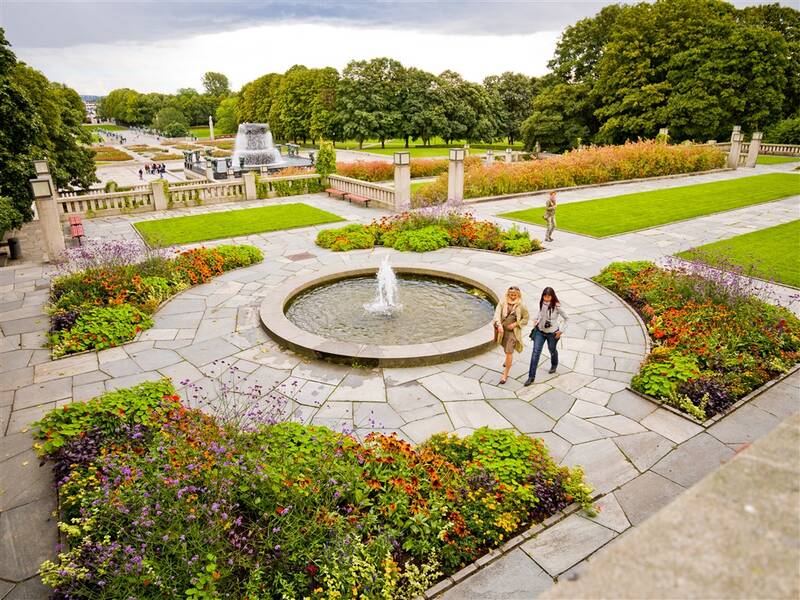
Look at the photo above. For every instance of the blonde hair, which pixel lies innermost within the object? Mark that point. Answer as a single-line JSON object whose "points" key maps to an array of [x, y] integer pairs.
{"points": [[514, 288]]}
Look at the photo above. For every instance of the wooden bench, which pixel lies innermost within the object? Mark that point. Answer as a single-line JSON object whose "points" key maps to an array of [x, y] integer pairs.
{"points": [[338, 193], [76, 228], [358, 199]]}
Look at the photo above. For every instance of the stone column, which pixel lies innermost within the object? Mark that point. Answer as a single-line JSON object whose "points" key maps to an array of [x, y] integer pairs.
{"points": [[211, 127], [455, 176], [250, 191], [736, 129], [736, 150], [52, 233], [402, 181], [160, 200], [509, 155], [755, 148], [489, 157]]}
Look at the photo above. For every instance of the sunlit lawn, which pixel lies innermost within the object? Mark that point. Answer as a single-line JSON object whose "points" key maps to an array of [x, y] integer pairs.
{"points": [[772, 253], [106, 127], [232, 223], [631, 212], [776, 160]]}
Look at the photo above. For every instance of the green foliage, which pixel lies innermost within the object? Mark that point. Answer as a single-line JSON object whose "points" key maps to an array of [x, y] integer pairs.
{"points": [[426, 239], [216, 84], [351, 237], [784, 132], [560, 118], [239, 256], [167, 117], [663, 370], [518, 241], [145, 404], [100, 328], [515, 93], [226, 120], [326, 159], [618, 276], [10, 217]]}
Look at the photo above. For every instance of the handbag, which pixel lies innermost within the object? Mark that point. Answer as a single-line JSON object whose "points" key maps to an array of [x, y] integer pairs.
{"points": [[498, 333]]}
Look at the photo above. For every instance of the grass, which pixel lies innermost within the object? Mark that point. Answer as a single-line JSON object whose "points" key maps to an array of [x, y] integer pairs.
{"points": [[772, 253], [106, 127], [201, 132], [437, 148], [776, 160], [631, 212], [232, 223]]}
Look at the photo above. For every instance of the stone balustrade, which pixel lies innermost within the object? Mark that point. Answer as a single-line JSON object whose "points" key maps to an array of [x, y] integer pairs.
{"points": [[113, 203], [380, 194]]}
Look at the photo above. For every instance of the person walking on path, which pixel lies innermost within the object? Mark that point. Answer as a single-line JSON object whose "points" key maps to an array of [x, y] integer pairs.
{"points": [[550, 217], [140, 174], [510, 317], [547, 329]]}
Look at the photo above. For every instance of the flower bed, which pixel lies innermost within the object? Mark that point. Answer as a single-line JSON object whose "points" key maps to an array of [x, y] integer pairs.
{"points": [[111, 290], [379, 170], [713, 340], [429, 229], [161, 501], [578, 167], [109, 154]]}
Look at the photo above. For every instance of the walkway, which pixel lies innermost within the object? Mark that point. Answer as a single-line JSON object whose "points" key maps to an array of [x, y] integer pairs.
{"points": [[643, 454]]}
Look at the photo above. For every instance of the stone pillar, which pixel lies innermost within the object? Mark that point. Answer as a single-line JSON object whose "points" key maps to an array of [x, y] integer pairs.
{"points": [[736, 150], [736, 129], [755, 148], [211, 127], [455, 176], [209, 170], [160, 200], [466, 150], [402, 181], [52, 233], [538, 148], [489, 157], [509, 155], [250, 191]]}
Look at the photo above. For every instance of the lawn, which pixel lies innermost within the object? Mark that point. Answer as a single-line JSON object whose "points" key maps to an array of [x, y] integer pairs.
{"points": [[106, 127], [772, 253], [201, 132], [776, 160], [631, 212], [232, 223]]}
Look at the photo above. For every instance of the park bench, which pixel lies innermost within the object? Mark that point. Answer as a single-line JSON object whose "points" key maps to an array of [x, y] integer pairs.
{"points": [[76, 228], [358, 199], [338, 193]]}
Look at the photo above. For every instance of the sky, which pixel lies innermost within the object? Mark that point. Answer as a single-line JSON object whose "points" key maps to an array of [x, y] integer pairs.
{"points": [[163, 45]]}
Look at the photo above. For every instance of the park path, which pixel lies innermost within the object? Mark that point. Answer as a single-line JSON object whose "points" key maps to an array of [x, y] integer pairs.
{"points": [[638, 456]]}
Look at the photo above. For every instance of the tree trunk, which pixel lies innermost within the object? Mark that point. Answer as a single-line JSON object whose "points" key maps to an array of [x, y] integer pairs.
{"points": [[406, 141], [383, 144], [360, 144]]}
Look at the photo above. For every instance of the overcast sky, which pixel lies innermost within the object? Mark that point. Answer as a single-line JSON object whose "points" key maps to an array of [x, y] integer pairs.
{"points": [[165, 45]]}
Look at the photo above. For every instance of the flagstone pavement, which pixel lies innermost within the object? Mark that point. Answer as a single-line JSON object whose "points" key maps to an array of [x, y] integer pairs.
{"points": [[636, 455]]}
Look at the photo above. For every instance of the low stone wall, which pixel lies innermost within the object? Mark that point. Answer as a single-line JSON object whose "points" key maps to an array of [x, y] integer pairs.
{"points": [[381, 195]]}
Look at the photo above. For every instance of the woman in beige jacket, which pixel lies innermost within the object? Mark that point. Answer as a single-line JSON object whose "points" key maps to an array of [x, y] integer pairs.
{"points": [[510, 317]]}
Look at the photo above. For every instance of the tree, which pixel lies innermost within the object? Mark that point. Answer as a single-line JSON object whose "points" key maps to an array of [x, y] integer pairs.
{"points": [[226, 118], [326, 159], [168, 116], [216, 84], [255, 98], [422, 110], [514, 93], [469, 109], [558, 120], [323, 103]]}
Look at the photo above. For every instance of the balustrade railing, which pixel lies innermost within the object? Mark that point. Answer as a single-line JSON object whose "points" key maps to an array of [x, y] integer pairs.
{"points": [[106, 203], [381, 194]]}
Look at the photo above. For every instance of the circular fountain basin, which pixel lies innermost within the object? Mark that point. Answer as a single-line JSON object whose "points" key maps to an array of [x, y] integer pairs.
{"points": [[444, 316]]}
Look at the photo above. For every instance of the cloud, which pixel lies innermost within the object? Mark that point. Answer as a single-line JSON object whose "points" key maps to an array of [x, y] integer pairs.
{"points": [[245, 54]]}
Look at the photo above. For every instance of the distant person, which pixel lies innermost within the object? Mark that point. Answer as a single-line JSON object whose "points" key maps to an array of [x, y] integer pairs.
{"points": [[147, 168], [546, 328], [550, 217], [510, 317], [141, 175]]}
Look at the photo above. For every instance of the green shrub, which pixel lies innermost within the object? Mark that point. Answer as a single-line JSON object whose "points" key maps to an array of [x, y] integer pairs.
{"points": [[663, 370], [618, 275], [426, 239], [239, 256], [351, 237], [110, 186], [145, 404], [518, 241], [100, 328], [326, 159], [784, 132], [10, 217]]}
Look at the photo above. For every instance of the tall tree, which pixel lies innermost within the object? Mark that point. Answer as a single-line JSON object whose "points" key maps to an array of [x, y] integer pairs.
{"points": [[423, 108], [216, 84], [514, 93], [226, 118], [255, 98], [559, 118]]}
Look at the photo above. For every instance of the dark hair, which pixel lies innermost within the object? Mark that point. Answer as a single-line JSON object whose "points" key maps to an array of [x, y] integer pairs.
{"points": [[548, 291]]}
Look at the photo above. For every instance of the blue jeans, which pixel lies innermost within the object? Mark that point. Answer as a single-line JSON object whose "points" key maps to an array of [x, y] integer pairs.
{"points": [[539, 338]]}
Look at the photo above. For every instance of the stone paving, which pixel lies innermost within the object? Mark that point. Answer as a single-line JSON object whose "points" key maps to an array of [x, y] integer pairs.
{"points": [[637, 455]]}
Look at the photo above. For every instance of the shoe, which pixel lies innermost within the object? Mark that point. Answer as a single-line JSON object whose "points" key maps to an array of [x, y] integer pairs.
{"points": [[552, 370], [502, 381], [528, 381]]}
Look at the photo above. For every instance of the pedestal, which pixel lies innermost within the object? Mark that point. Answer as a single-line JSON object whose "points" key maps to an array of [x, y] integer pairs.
{"points": [[736, 150], [455, 178], [755, 148], [52, 234]]}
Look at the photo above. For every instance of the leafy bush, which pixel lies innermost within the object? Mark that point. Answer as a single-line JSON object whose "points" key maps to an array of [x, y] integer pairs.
{"points": [[156, 497], [426, 239], [134, 283], [714, 341], [578, 167], [351, 237], [10, 217], [100, 328], [784, 132], [326, 159]]}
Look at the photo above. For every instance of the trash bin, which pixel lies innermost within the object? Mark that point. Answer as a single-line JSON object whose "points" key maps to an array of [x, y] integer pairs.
{"points": [[14, 249]]}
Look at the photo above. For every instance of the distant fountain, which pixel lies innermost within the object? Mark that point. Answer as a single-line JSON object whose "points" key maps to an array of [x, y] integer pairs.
{"points": [[386, 297], [254, 147]]}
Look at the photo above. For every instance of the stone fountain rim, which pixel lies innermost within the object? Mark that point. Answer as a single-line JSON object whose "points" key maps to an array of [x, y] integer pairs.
{"points": [[286, 333]]}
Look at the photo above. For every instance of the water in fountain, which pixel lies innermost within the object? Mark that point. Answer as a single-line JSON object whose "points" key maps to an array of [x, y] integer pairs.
{"points": [[386, 297], [254, 144]]}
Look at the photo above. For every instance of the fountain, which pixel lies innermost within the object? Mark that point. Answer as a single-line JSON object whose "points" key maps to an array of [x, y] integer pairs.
{"points": [[254, 147], [385, 301]]}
